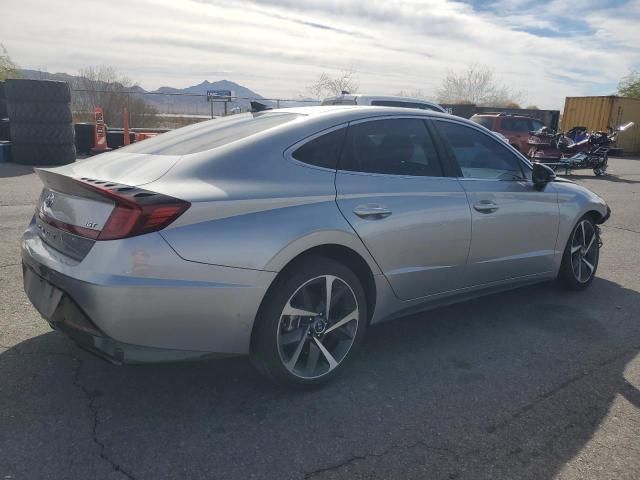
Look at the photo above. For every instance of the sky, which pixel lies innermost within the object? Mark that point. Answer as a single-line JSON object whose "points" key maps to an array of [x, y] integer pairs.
{"points": [[545, 49]]}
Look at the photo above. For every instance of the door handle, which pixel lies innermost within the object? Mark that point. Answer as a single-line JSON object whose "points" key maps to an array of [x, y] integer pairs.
{"points": [[372, 211], [485, 206]]}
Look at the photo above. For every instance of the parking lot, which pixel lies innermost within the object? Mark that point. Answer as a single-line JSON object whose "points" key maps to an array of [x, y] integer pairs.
{"points": [[535, 383]]}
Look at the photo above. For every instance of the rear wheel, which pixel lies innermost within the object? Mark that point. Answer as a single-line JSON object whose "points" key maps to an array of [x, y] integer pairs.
{"points": [[313, 318], [581, 255]]}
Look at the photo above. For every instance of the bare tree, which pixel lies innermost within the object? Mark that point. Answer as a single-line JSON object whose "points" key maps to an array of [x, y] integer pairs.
{"points": [[8, 69], [326, 85], [416, 93], [103, 86], [629, 86], [477, 85]]}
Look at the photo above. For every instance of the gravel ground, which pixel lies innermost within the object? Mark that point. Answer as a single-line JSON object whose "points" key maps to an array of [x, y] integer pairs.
{"points": [[535, 383]]}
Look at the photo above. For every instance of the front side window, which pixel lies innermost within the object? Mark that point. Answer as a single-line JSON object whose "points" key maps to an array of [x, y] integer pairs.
{"points": [[400, 146], [478, 155], [322, 151]]}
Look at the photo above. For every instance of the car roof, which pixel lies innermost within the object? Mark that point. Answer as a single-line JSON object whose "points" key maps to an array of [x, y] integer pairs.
{"points": [[354, 112], [389, 98]]}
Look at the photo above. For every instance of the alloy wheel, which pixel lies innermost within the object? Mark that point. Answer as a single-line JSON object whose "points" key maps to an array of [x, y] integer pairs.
{"points": [[317, 327], [584, 251]]}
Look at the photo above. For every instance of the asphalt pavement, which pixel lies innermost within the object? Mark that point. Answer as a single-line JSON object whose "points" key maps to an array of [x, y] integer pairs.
{"points": [[536, 383]]}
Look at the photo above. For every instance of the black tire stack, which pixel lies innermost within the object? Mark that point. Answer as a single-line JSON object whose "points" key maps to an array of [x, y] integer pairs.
{"points": [[4, 121], [40, 122]]}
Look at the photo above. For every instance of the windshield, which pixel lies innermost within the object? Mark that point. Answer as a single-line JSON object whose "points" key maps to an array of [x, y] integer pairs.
{"points": [[210, 134]]}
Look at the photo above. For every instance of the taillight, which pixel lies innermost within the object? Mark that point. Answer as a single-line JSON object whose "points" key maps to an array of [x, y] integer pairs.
{"points": [[136, 211]]}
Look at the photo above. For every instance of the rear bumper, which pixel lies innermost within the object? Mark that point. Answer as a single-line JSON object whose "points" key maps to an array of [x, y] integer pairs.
{"points": [[167, 309], [67, 317]]}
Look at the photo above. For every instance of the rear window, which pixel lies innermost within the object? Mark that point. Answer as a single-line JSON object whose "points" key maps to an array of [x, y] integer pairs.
{"points": [[210, 134], [486, 122]]}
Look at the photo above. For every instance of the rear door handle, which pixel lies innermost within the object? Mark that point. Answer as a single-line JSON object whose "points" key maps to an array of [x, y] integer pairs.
{"points": [[485, 206], [372, 211]]}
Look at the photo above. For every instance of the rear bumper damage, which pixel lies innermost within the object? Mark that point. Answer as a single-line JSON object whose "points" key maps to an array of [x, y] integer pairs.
{"points": [[168, 309]]}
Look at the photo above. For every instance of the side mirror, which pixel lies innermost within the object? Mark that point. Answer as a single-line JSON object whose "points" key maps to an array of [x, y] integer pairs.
{"points": [[542, 175]]}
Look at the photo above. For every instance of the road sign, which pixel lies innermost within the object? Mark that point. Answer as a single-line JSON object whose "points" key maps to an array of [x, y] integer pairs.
{"points": [[219, 95]]}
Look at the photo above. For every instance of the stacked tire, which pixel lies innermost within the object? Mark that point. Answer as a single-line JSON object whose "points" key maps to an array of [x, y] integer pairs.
{"points": [[4, 121], [40, 122]]}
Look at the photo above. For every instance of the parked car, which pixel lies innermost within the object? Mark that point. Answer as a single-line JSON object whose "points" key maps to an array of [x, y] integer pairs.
{"points": [[383, 101], [515, 127], [285, 234]]}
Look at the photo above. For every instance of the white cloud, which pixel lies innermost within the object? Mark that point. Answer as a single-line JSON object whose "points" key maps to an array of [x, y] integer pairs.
{"points": [[277, 47]]}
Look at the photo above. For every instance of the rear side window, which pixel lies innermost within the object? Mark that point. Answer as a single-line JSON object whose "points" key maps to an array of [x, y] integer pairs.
{"points": [[210, 134], [486, 122], [322, 151], [516, 124], [478, 155], [400, 146], [395, 103]]}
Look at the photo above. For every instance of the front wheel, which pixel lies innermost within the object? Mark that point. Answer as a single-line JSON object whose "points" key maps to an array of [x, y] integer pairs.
{"points": [[311, 320], [581, 255]]}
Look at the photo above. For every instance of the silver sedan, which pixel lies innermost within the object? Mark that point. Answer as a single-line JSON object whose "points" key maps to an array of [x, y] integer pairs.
{"points": [[285, 234]]}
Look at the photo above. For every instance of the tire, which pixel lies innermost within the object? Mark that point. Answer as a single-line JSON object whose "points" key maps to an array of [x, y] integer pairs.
{"points": [[84, 137], [22, 90], [575, 262], [288, 349], [42, 134], [32, 112], [3, 102], [43, 154], [4, 130]]}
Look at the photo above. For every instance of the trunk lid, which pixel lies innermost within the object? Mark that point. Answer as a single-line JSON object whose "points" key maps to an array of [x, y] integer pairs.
{"points": [[132, 169]]}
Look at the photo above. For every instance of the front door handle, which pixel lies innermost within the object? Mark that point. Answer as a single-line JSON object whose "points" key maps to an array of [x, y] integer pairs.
{"points": [[372, 211], [485, 206]]}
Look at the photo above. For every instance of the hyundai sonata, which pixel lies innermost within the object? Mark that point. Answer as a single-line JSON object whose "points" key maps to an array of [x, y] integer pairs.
{"points": [[285, 234]]}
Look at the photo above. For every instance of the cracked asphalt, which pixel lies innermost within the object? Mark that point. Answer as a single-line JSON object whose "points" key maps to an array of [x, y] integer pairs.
{"points": [[532, 384]]}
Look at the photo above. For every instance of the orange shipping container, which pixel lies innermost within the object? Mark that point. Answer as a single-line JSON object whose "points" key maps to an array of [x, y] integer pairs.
{"points": [[599, 113]]}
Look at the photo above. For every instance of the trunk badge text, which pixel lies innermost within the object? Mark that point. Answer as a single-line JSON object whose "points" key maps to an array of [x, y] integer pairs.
{"points": [[49, 200]]}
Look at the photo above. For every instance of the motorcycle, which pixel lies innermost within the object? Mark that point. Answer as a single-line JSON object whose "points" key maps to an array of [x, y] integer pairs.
{"points": [[575, 149]]}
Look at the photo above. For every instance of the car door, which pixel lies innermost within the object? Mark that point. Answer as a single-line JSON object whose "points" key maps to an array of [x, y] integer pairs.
{"points": [[414, 221], [514, 226]]}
